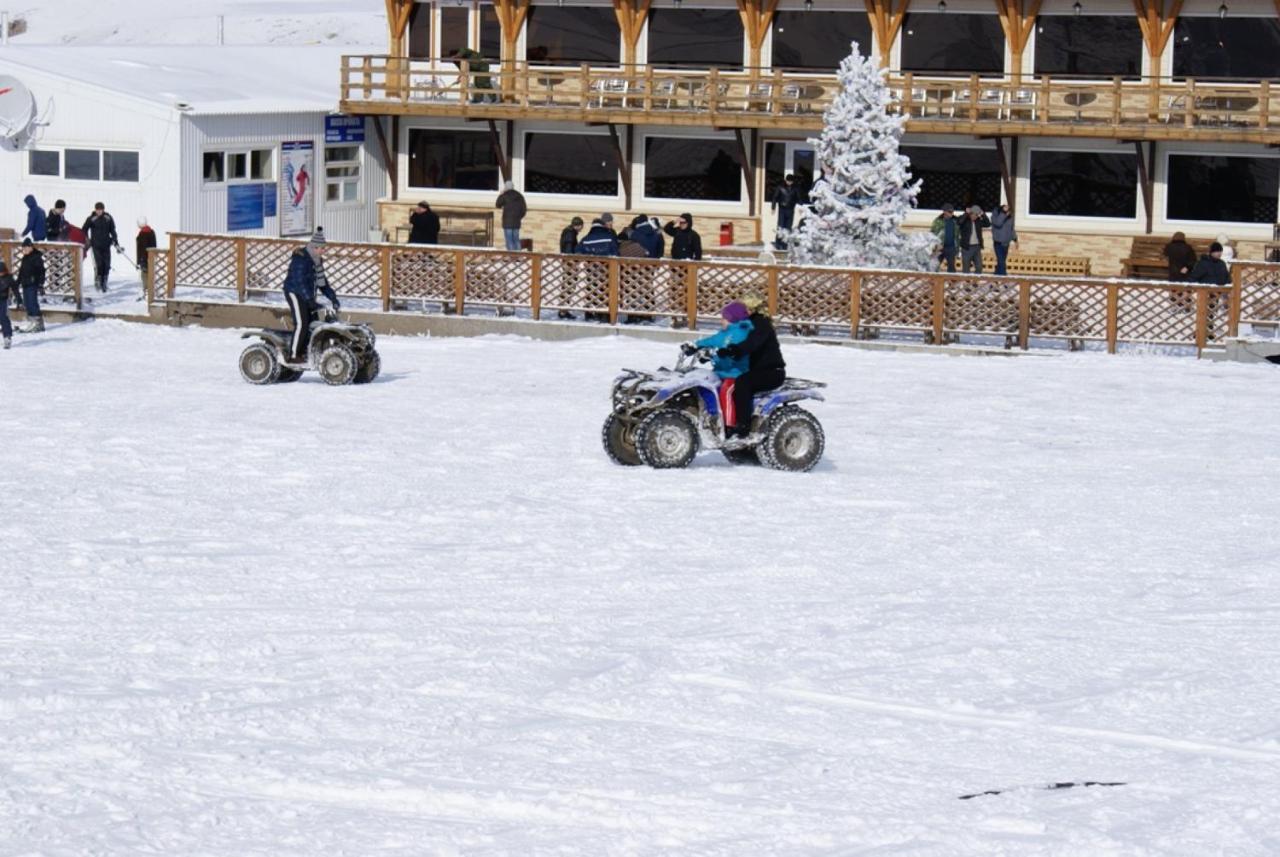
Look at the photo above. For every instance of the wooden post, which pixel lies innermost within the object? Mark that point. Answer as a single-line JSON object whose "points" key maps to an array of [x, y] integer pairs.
{"points": [[1157, 26], [172, 270], [771, 290], [1024, 315], [939, 309], [631, 15], [77, 273], [886, 21], [384, 276], [756, 17], [1145, 182], [691, 293], [614, 276], [242, 280], [459, 280], [855, 303], [1017, 20], [1113, 316], [1264, 116], [1202, 319], [1235, 301], [535, 286]]}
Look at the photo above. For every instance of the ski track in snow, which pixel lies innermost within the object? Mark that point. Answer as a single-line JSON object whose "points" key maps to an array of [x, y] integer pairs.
{"points": [[428, 616]]}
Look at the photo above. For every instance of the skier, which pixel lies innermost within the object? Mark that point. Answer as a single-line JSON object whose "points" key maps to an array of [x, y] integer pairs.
{"points": [[306, 276], [685, 243], [736, 327], [55, 224], [7, 286], [767, 370], [100, 236], [424, 225], [35, 220], [145, 241], [31, 279], [785, 198]]}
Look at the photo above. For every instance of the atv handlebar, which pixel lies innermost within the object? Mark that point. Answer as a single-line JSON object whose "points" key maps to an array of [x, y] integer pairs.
{"points": [[689, 359]]}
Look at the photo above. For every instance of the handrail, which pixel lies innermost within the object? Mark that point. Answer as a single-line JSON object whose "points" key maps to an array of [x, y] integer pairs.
{"points": [[830, 301]]}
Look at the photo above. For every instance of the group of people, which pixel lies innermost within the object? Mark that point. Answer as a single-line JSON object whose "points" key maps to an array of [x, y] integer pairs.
{"points": [[1212, 268], [966, 236]]}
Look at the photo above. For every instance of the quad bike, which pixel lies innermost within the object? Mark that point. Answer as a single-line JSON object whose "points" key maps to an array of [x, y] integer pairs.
{"points": [[663, 418], [342, 352]]}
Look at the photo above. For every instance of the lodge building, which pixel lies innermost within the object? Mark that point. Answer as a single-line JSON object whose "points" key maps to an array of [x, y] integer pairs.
{"points": [[1097, 120]]}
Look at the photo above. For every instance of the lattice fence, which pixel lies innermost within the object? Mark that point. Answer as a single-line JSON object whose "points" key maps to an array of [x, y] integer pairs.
{"points": [[722, 282], [652, 288], [423, 274], [62, 266], [1259, 292], [266, 263], [1156, 315], [973, 306], [499, 279], [205, 262], [896, 301], [1064, 310], [157, 273], [812, 296], [575, 283]]}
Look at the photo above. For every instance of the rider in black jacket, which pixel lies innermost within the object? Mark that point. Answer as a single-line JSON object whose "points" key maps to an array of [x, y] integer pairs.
{"points": [[767, 368]]}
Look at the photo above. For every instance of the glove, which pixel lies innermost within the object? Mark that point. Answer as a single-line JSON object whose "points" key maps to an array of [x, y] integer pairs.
{"points": [[119, 249], [732, 352], [336, 306], [688, 349]]}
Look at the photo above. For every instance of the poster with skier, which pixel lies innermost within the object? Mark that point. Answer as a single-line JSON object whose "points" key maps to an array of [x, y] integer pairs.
{"points": [[297, 166]]}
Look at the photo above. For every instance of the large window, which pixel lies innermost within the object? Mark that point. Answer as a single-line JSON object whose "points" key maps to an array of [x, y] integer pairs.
{"points": [[952, 43], [120, 166], [692, 168], [83, 164], [961, 177], [455, 29], [246, 165], [573, 34], [1227, 47], [1084, 184], [342, 173], [818, 41], [453, 160], [696, 38], [420, 31], [1107, 45], [490, 32], [44, 163], [1232, 189], [570, 163]]}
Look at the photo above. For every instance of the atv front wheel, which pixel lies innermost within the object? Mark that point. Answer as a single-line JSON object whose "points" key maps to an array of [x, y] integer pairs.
{"points": [[338, 365], [667, 439], [793, 440], [619, 439], [370, 366], [258, 364]]}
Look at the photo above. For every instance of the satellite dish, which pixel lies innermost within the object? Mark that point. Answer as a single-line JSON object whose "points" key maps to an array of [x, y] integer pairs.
{"points": [[17, 113]]}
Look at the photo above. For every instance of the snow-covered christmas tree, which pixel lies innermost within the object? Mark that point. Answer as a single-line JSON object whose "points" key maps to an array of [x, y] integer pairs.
{"points": [[866, 191]]}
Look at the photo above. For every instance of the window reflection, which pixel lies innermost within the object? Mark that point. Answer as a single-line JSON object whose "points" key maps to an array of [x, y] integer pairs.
{"points": [[818, 41], [696, 38], [952, 43], [574, 34]]}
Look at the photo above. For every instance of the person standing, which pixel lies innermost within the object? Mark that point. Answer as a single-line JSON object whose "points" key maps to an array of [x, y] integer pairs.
{"points": [[424, 225], [786, 197], [1002, 235], [100, 236], [971, 242], [36, 223], [944, 229], [1211, 269], [8, 285], [513, 206], [1181, 256], [481, 83], [600, 240], [145, 241], [569, 236], [31, 280], [569, 246], [685, 242], [55, 223]]}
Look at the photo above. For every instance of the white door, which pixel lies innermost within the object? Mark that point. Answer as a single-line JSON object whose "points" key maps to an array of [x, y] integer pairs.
{"points": [[783, 158]]}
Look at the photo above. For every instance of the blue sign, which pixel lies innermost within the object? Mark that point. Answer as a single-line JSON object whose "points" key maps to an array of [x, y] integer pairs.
{"points": [[344, 129], [244, 207], [269, 200]]}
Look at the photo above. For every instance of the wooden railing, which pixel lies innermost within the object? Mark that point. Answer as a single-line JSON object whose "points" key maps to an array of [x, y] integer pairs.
{"points": [[63, 263], [826, 301], [1077, 106]]}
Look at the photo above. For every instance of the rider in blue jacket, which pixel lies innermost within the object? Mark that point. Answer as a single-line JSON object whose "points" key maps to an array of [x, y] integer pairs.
{"points": [[736, 321], [306, 277]]}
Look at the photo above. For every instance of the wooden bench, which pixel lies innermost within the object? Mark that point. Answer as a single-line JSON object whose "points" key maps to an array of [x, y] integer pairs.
{"points": [[1146, 260], [1029, 264]]}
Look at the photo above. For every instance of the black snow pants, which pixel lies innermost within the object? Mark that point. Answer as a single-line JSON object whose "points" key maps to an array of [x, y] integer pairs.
{"points": [[747, 385], [101, 266], [300, 309]]}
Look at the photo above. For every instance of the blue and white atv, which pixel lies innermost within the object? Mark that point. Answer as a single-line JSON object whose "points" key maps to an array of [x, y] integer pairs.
{"points": [[341, 352], [663, 418]]}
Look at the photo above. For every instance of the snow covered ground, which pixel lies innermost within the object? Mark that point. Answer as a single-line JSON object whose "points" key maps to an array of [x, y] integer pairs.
{"points": [[182, 22], [429, 617]]}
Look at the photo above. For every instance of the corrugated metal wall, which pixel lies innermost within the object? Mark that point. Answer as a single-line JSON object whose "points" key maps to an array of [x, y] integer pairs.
{"points": [[204, 207]]}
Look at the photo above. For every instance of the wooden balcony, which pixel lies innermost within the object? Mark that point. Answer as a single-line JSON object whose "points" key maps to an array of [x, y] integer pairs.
{"points": [[1111, 108]]}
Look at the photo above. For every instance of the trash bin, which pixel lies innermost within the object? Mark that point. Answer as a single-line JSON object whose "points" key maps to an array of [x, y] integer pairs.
{"points": [[726, 233]]}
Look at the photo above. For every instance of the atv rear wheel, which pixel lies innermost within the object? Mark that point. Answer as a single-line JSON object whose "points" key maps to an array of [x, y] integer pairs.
{"points": [[338, 365], [667, 439], [370, 366], [619, 439], [259, 365], [793, 440], [743, 455]]}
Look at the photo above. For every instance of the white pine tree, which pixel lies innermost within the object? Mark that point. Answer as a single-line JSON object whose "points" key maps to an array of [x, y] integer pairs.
{"points": [[866, 191]]}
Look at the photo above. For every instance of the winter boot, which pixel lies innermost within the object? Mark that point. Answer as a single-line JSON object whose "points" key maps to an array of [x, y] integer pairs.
{"points": [[8, 343], [36, 325]]}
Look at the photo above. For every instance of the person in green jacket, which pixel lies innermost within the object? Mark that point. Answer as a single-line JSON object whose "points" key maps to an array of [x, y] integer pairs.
{"points": [[479, 68]]}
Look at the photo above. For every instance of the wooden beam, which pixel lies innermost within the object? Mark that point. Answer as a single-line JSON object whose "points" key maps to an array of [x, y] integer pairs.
{"points": [[1017, 19], [393, 167], [1006, 177], [757, 16], [495, 139], [631, 15], [398, 14], [748, 171], [886, 22], [1145, 179], [624, 163]]}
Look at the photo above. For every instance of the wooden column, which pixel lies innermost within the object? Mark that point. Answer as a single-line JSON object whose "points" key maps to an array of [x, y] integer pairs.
{"points": [[1145, 178], [511, 16], [631, 15], [748, 169], [756, 16], [622, 151], [398, 14], [1006, 174], [1017, 19], [1157, 23], [886, 20], [495, 139]]}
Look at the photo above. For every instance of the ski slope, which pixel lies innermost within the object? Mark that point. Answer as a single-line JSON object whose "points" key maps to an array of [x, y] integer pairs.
{"points": [[428, 616]]}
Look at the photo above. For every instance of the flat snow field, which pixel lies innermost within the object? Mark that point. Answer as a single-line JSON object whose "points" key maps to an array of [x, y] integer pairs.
{"points": [[429, 617]]}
